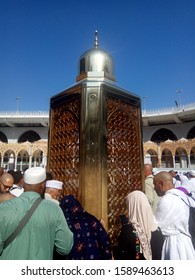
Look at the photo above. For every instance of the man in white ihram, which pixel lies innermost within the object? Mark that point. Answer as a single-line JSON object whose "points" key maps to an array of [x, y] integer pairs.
{"points": [[172, 216], [192, 182]]}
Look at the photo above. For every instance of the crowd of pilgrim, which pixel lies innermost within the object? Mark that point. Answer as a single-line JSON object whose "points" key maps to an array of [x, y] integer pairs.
{"points": [[155, 228]]}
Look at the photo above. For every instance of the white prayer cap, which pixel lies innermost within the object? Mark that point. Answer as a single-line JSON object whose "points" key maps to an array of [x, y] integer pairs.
{"points": [[34, 175], [183, 177], [54, 184], [192, 172], [186, 184]]}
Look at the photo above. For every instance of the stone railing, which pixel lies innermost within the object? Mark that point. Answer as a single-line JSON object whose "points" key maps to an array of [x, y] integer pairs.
{"points": [[168, 110], [23, 113]]}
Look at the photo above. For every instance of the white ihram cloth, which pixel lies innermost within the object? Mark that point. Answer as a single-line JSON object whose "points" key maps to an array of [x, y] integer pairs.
{"points": [[192, 182], [16, 190], [172, 216]]}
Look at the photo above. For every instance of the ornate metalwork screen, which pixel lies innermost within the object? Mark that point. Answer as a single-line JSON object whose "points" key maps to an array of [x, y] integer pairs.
{"points": [[124, 155], [64, 145]]}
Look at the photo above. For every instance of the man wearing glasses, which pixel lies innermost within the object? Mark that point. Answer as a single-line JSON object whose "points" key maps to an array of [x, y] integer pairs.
{"points": [[6, 182]]}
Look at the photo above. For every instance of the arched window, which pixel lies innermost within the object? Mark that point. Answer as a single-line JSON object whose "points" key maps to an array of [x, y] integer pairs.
{"points": [[163, 134], [30, 136], [9, 160], [22, 160], [37, 159], [151, 157], [191, 133], [167, 159], [181, 158], [192, 157], [3, 138]]}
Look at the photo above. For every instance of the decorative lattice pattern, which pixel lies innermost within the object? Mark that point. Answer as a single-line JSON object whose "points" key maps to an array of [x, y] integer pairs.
{"points": [[124, 153], [64, 145], [124, 157]]}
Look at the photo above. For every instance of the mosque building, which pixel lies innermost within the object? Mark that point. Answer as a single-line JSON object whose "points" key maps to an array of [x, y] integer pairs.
{"points": [[168, 137]]}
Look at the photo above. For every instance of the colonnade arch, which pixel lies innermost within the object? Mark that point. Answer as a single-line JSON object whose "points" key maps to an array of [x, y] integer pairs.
{"points": [[151, 157], [22, 159], [192, 156], [167, 158], [24, 155], [181, 158], [172, 154], [180, 154]]}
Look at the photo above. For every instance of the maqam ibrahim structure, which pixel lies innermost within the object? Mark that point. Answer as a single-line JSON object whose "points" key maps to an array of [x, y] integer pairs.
{"points": [[95, 140]]}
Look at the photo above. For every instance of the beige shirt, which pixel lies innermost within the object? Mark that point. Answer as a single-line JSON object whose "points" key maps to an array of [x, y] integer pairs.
{"points": [[151, 194]]}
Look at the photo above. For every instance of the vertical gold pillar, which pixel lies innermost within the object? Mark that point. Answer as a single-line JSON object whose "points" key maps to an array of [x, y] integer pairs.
{"points": [[93, 175]]}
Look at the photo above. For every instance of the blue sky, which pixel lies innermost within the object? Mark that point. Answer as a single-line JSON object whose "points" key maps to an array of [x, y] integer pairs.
{"points": [[152, 43]]}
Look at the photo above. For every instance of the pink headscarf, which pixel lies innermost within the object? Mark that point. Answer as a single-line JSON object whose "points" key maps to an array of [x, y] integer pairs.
{"points": [[141, 217]]}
